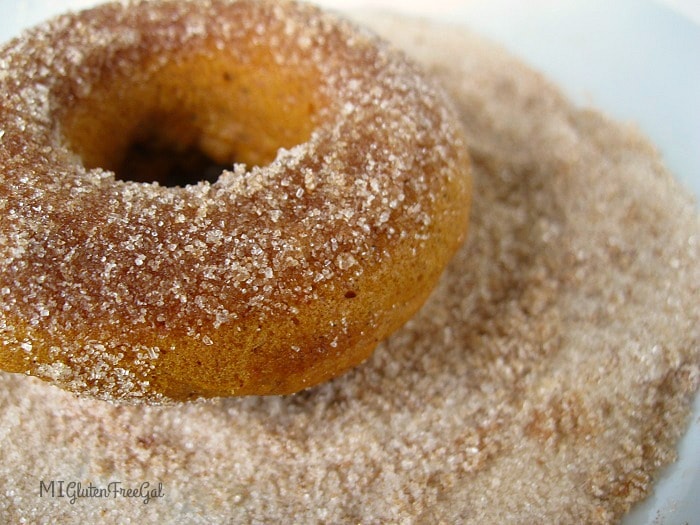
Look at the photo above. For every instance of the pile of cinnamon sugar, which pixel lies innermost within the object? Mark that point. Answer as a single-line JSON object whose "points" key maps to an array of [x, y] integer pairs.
{"points": [[547, 379]]}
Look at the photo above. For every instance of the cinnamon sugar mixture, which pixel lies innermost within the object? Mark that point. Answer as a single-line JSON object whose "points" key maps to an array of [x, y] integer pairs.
{"points": [[546, 380]]}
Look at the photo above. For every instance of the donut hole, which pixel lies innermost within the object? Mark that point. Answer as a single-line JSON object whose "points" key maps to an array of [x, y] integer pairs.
{"points": [[152, 158], [189, 119]]}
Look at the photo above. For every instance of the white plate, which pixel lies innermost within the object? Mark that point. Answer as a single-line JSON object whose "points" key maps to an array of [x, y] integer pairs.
{"points": [[638, 60]]}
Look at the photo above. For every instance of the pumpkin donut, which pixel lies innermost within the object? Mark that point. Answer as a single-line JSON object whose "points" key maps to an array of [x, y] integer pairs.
{"points": [[129, 273]]}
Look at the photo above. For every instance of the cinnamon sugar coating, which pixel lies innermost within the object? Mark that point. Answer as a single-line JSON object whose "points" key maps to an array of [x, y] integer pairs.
{"points": [[347, 194], [547, 379]]}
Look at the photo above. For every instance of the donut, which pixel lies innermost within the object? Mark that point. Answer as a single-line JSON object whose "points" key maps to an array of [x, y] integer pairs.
{"points": [[216, 198]]}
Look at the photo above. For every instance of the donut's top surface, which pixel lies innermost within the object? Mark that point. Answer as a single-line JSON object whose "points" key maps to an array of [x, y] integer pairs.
{"points": [[338, 152]]}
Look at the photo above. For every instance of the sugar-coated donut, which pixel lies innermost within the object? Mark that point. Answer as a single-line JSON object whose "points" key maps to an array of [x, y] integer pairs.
{"points": [[347, 192]]}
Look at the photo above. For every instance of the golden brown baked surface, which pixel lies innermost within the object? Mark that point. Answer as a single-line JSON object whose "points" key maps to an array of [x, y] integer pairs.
{"points": [[345, 195]]}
